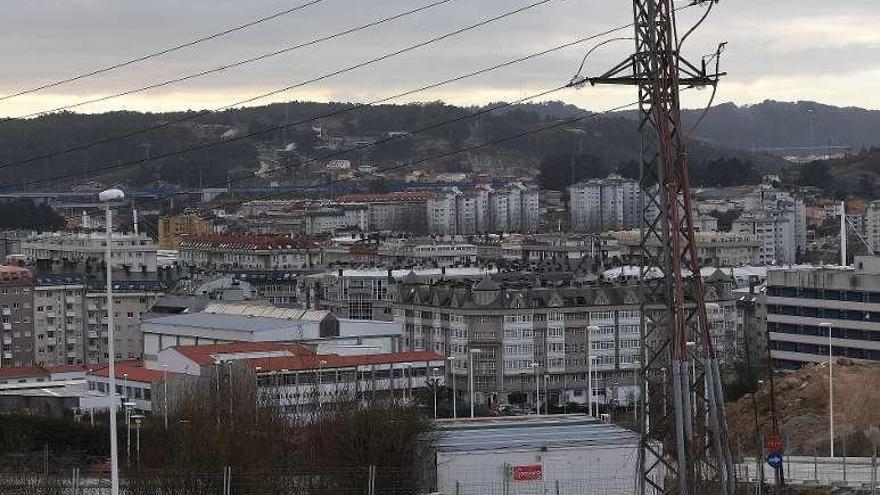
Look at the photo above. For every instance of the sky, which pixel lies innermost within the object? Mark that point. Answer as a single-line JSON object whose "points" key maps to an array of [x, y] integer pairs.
{"points": [[782, 50]]}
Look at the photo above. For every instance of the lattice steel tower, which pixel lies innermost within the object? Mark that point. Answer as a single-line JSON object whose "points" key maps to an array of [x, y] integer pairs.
{"points": [[684, 447]]}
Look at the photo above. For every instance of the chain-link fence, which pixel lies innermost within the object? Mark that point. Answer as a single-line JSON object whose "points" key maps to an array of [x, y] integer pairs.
{"points": [[609, 485], [367, 480], [853, 472]]}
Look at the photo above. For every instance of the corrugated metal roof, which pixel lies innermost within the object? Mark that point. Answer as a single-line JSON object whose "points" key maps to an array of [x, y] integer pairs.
{"points": [[525, 432], [266, 312], [229, 322]]}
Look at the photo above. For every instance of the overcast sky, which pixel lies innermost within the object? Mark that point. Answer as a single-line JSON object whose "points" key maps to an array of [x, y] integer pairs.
{"points": [[784, 50]]}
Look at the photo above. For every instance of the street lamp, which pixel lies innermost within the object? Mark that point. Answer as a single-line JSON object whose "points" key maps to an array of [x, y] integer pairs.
{"points": [[165, 394], [451, 360], [472, 353], [546, 394], [830, 387], [137, 421], [535, 365], [435, 383], [128, 405], [108, 197], [591, 330]]}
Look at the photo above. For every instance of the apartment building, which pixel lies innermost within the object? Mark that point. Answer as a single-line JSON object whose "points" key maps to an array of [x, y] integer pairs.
{"points": [[175, 228], [799, 300], [250, 251], [613, 203], [511, 326], [402, 211], [16, 313], [70, 318], [132, 253], [514, 207], [716, 249]]}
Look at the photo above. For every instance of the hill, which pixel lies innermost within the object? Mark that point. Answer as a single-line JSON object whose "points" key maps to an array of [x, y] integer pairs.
{"points": [[774, 124], [590, 148], [802, 405], [851, 175]]}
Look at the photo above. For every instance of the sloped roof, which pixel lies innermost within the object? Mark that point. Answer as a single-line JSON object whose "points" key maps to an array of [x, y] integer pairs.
{"points": [[266, 312], [299, 363], [204, 355], [487, 284], [133, 371]]}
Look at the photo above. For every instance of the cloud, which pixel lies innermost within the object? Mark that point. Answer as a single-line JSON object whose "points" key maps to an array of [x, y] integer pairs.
{"points": [[820, 51]]}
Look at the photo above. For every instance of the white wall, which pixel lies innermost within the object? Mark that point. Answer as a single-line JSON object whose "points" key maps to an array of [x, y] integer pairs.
{"points": [[604, 469]]}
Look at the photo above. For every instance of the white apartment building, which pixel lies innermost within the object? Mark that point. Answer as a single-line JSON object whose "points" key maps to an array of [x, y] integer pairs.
{"points": [[872, 226], [613, 203], [131, 252], [250, 251], [511, 208], [70, 319], [775, 233]]}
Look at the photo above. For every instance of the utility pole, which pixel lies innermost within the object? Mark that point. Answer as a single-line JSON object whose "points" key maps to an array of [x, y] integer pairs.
{"points": [[688, 445]]}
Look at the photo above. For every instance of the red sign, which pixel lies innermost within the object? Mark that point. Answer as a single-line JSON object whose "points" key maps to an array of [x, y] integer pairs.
{"points": [[774, 443], [529, 472]]}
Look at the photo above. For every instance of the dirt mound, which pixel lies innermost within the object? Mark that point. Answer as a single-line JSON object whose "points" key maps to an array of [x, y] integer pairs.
{"points": [[802, 405]]}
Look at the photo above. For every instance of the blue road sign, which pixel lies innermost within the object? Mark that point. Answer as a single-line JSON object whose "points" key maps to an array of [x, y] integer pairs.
{"points": [[774, 459]]}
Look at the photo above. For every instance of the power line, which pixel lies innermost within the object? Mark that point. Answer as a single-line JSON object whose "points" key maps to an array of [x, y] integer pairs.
{"points": [[159, 53], [232, 65], [341, 111], [328, 75], [459, 151]]}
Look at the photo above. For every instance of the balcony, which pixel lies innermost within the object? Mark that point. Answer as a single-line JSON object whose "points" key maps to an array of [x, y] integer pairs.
{"points": [[7, 326], [7, 340], [50, 341], [92, 334], [71, 300], [7, 355], [6, 311], [93, 321]]}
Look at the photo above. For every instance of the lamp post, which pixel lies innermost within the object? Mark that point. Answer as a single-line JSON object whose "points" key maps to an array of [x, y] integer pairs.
{"points": [[137, 421], [451, 360], [165, 394], [830, 387], [108, 197], [591, 330], [472, 353], [126, 404], [435, 381], [535, 365], [546, 394]]}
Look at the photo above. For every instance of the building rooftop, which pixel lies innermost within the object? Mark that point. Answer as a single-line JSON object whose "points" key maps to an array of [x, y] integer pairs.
{"points": [[248, 241], [133, 371], [211, 354], [32, 371], [11, 274], [252, 310], [316, 361], [530, 432]]}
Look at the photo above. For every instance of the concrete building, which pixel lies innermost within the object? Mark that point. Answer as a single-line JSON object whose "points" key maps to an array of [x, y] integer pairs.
{"points": [[798, 300], [297, 380], [250, 252], [515, 207], [535, 454], [403, 211], [717, 249], [131, 252], [70, 318], [16, 316], [426, 253], [366, 294], [175, 228], [872, 226], [613, 203]]}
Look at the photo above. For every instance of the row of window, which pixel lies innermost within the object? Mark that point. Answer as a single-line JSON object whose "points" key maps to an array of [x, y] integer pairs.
{"points": [[827, 294]]}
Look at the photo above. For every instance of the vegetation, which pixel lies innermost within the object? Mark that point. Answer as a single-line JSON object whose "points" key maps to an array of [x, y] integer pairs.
{"points": [[24, 214]]}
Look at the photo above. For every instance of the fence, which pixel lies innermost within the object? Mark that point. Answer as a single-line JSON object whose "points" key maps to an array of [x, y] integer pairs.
{"points": [[854, 472], [598, 486], [369, 480]]}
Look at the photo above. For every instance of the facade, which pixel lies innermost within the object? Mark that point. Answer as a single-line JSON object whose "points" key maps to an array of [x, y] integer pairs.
{"points": [[798, 300], [572, 454], [515, 207], [16, 313], [716, 249], [175, 228], [404, 211], [131, 252], [558, 328], [872, 226], [613, 203], [70, 318], [250, 252], [779, 221]]}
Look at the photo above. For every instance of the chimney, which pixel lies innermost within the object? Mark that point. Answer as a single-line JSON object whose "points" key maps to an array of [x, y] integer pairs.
{"points": [[134, 217]]}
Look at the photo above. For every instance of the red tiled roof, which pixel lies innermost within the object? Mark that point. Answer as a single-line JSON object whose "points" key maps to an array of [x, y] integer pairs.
{"points": [[392, 197], [66, 368], [15, 274], [203, 355], [23, 372], [299, 363], [363, 249], [134, 369], [250, 241]]}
